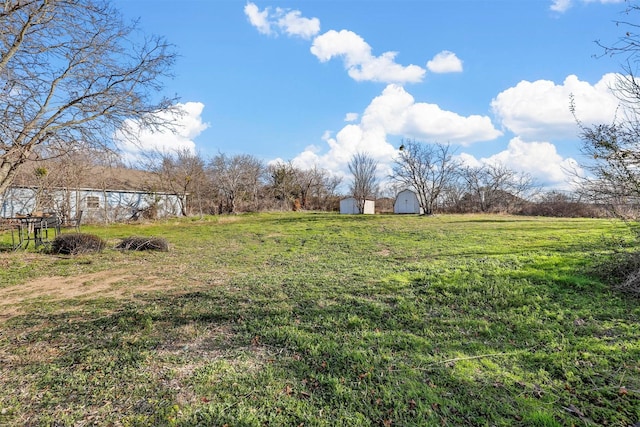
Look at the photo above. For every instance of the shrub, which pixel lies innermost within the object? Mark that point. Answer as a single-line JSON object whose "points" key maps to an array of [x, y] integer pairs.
{"points": [[631, 285], [621, 271], [77, 243], [143, 244]]}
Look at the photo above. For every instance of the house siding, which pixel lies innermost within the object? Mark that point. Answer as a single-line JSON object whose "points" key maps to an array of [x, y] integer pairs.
{"points": [[96, 205]]}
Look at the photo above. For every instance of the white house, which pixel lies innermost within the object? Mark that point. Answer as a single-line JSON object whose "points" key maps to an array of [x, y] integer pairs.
{"points": [[97, 205], [103, 194], [350, 206], [407, 203]]}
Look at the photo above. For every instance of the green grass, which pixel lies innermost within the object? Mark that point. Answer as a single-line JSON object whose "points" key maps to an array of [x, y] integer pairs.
{"points": [[324, 320]]}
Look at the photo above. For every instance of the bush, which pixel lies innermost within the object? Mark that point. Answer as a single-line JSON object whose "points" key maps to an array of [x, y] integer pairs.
{"points": [[143, 244], [77, 243], [631, 285], [621, 271]]}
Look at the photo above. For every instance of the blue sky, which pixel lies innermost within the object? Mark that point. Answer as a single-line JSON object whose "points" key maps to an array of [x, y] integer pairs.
{"points": [[315, 81]]}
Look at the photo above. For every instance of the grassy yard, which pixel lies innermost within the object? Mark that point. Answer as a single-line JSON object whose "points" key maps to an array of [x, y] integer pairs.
{"points": [[323, 320]]}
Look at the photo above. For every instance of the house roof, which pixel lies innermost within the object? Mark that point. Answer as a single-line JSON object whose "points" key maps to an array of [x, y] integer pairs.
{"points": [[90, 177]]}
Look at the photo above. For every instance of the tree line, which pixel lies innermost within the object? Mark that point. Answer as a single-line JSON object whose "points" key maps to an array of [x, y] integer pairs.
{"points": [[238, 183], [243, 183], [444, 184]]}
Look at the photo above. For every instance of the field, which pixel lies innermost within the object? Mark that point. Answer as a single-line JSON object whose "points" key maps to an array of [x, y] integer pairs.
{"points": [[314, 319]]}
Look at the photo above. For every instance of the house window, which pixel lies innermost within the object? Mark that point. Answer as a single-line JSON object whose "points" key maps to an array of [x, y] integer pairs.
{"points": [[93, 202]]}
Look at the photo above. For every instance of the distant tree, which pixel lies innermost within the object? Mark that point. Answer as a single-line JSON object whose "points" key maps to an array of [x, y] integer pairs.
{"points": [[315, 185], [364, 184], [326, 195], [73, 72], [281, 184], [563, 204], [181, 172], [234, 179], [300, 188], [426, 169], [494, 187], [452, 197]]}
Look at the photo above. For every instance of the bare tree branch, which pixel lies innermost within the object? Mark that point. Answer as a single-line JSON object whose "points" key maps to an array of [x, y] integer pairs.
{"points": [[73, 72], [611, 151], [364, 186], [427, 169]]}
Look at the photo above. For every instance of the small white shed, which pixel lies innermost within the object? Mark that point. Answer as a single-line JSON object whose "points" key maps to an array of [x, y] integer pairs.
{"points": [[350, 206], [407, 203]]}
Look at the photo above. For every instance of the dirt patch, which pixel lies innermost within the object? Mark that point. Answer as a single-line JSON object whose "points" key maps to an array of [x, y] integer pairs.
{"points": [[103, 284]]}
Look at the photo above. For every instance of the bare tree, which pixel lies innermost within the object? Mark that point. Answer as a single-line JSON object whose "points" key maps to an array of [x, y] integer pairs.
{"points": [[297, 188], [494, 187], [281, 184], [563, 204], [183, 173], [364, 185], [612, 151], [312, 185], [453, 197], [72, 71], [236, 178], [612, 155], [427, 169], [325, 195]]}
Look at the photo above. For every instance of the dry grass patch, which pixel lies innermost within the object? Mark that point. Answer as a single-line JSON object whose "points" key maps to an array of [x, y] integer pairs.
{"points": [[118, 284]]}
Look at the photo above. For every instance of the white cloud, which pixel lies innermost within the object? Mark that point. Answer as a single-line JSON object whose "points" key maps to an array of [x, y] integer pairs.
{"points": [[540, 109], [562, 6], [258, 19], [291, 22], [296, 25], [541, 160], [343, 43], [351, 117], [394, 113], [357, 55], [348, 141], [187, 125], [468, 160], [445, 62], [360, 63]]}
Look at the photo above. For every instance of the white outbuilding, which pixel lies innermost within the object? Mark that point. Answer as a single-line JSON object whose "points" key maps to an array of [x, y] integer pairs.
{"points": [[350, 206], [407, 203]]}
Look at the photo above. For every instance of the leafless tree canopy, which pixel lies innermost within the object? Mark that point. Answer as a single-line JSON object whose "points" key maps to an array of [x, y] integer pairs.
{"points": [[364, 186], [427, 169], [292, 187], [494, 187], [612, 151], [181, 172], [73, 71], [236, 178]]}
